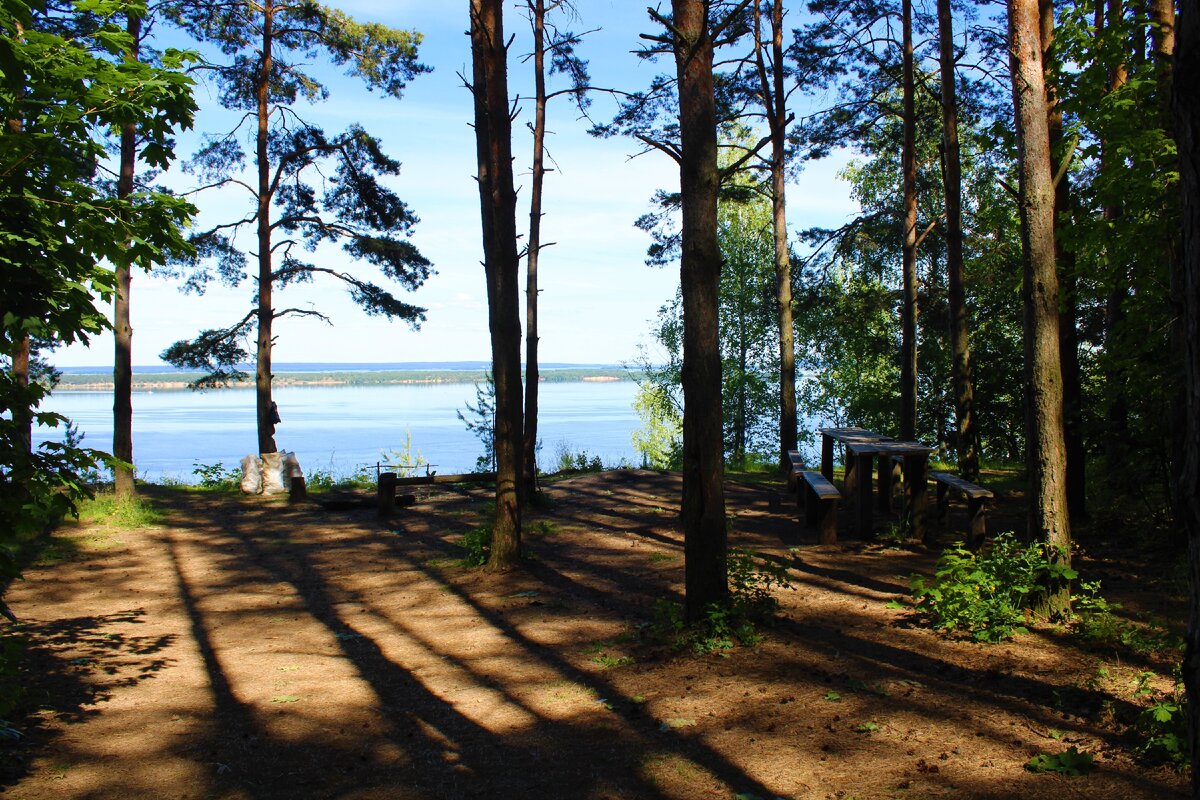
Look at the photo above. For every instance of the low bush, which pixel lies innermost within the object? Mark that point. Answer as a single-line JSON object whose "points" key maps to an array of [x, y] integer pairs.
{"points": [[990, 594], [753, 582]]}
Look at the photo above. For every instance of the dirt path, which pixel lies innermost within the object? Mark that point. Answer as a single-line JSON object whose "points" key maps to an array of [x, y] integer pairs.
{"points": [[251, 650]]}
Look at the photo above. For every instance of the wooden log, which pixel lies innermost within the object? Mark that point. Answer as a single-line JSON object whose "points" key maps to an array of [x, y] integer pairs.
{"points": [[827, 456]]}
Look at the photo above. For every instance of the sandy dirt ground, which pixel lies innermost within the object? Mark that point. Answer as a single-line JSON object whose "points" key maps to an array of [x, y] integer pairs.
{"points": [[246, 648]]}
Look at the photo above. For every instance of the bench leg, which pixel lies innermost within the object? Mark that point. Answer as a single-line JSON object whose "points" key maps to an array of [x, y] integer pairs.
{"points": [[976, 522], [811, 504], [943, 503], [827, 525]]}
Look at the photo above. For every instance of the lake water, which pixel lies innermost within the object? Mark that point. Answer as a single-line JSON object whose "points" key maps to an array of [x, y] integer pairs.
{"points": [[338, 429]]}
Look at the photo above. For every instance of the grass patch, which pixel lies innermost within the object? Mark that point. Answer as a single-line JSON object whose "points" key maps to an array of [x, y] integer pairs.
{"points": [[108, 511]]}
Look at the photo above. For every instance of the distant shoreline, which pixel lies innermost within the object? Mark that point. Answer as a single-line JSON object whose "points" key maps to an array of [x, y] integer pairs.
{"points": [[178, 381]]}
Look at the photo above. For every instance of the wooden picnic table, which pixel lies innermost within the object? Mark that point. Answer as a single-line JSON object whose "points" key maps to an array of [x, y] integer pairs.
{"points": [[915, 461], [843, 436]]}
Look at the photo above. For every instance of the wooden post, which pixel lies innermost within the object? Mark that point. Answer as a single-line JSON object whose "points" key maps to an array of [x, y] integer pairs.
{"points": [[916, 496], [884, 483], [850, 476], [863, 486], [827, 522], [827, 456], [976, 522], [387, 493], [943, 502], [297, 489], [811, 503]]}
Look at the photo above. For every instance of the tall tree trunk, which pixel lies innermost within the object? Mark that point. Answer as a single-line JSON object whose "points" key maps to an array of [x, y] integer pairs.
{"points": [[1162, 38], [966, 436], [1068, 323], [123, 485], [1046, 459], [908, 166], [498, 207], [529, 460], [22, 414], [266, 312], [771, 84], [1186, 101], [1117, 413], [703, 507]]}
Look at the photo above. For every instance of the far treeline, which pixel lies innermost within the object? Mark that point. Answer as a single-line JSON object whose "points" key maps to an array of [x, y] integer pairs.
{"points": [[1022, 285], [184, 380]]}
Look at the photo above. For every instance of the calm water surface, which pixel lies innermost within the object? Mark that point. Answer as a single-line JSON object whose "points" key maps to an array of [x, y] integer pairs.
{"points": [[341, 428]]}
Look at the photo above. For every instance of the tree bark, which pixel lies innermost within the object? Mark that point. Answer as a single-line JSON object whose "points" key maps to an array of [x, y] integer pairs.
{"points": [[1046, 459], [1186, 102], [498, 202], [1068, 327], [123, 486], [966, 436], [22, 415], [529, 460], [908, 168], [703, 506], [771, 82], [266, 312]]}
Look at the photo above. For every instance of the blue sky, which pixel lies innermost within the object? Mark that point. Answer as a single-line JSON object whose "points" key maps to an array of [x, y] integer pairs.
{"points": [[598, 296]]}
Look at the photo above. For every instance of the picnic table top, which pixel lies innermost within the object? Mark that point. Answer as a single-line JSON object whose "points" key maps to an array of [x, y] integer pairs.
{"points": [[851, 434], [865, 447]]}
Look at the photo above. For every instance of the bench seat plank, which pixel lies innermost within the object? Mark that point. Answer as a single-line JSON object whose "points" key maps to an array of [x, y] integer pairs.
{"points": [[820, 498], [977, 498], [967, 488]]}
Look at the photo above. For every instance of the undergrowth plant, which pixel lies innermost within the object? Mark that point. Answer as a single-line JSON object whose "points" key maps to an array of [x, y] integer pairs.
{"points": [[478, 544], [990, 594], [569, 461], [107, 509], [216, 476], [1095, 621], [753, 582]]}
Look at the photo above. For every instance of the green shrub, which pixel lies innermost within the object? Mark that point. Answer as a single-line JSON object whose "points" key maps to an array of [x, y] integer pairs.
{"points": [[478, 544], [753, 582], [987, 594], [569, 461], [216, 476], [1095, 621]]}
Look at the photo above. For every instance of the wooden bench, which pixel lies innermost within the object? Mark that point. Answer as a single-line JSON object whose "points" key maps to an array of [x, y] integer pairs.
{"points": [[977, 498], [797, 464], [820, 500]]}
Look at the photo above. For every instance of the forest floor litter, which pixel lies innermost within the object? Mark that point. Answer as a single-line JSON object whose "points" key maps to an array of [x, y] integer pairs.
{"points": [[245, 648]]}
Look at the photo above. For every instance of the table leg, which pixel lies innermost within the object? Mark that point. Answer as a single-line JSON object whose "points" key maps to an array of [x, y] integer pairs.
{"points": [[884, 480], [850, 475], [863, 510], [827, 456], [915, 495]]}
